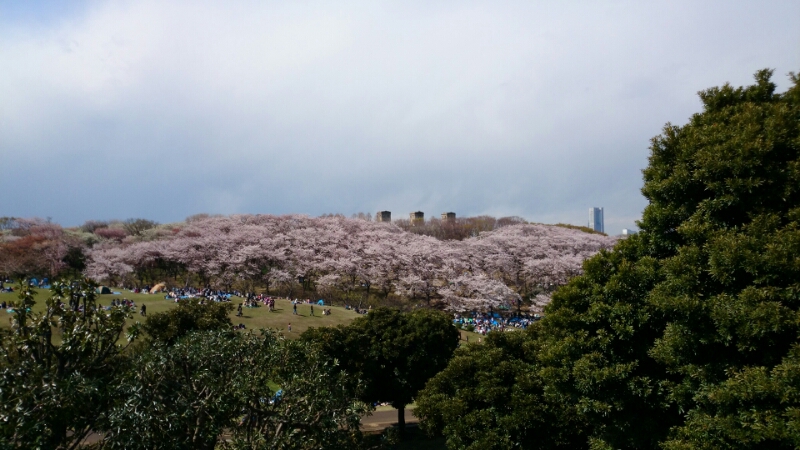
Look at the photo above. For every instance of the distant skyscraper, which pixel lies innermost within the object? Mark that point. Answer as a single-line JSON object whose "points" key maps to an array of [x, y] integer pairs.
{"points": [[596, 220]]}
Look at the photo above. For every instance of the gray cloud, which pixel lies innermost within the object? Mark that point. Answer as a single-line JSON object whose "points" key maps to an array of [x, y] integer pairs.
{"points": [[126, 109]]}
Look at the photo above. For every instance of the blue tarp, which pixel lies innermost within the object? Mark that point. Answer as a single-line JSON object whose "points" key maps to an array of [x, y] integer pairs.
{"points": [[277, 397], [321, 302]]}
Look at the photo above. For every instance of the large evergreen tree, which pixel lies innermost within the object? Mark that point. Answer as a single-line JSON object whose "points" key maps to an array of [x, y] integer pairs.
{"points": [[491, 396], [686, 335], [393, 353]]}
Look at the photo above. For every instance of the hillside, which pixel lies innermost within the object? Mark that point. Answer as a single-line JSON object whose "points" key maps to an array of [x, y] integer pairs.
{"points": [[350, 260]]}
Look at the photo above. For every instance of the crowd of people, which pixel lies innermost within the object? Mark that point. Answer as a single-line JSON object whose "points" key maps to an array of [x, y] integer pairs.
{"points": [[214, 295], [121, 303], [483, 322], [480, 322], [44, 283], [358, 310], [186, 292]]}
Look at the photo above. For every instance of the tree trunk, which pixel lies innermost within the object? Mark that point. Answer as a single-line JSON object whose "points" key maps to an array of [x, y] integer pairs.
{"points": [[401, 421]]}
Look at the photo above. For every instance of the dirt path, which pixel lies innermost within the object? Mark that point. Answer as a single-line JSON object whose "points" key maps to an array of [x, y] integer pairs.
{"points": [[383, 419]]}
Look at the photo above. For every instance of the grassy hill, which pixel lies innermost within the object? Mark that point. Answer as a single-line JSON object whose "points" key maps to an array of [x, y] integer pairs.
{"points": [[253, 318]]}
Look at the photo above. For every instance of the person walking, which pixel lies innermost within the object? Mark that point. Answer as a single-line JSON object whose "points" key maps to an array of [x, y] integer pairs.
{"points": [[290, 328], [294, 308], [239, 310], [144, 310], [312, 309]]}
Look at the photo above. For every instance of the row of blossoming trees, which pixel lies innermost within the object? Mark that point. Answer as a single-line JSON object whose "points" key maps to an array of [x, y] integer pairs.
{"points": [[352, 259], [35, 247]]}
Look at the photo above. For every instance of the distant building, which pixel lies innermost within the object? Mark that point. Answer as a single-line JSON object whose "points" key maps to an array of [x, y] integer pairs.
{"points": [[417, 218], [449, 217], [384, 216], [627, 232], [596, 219]]}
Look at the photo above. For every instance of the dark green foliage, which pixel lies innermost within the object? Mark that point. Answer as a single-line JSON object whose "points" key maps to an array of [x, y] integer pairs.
{"points": [[185, 395], [75, 261], [63, 376], [686, 335], [735, 324], [401, 351], [316, 409], [180, 396], [52, 394], [392, 352], [491, 397], [190, 315], [594, 346]]}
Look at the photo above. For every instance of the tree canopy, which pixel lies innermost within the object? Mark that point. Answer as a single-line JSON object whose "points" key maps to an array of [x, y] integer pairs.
{"points": [[189, 315], [265, 391], [491, 396], [686, 335], [57, 368], [64, 374], [393, 353], [350, 259]]}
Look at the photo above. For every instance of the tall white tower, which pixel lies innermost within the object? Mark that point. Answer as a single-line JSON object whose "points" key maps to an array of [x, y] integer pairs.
{"points": [[596, 219]]}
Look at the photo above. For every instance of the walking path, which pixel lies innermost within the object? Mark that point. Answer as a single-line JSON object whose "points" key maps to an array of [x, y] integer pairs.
{"points": [[384, 419]]}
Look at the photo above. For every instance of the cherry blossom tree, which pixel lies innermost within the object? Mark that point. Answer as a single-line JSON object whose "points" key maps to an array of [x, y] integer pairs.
{"points": [[351, 258], [32, 247]]}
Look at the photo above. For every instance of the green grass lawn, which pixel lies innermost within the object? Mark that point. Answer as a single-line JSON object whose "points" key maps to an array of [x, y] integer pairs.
{"points": [[253, 318]]}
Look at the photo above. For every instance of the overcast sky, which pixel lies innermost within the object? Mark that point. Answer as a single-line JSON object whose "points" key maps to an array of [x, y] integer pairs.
{"points": [[163, 109]]}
